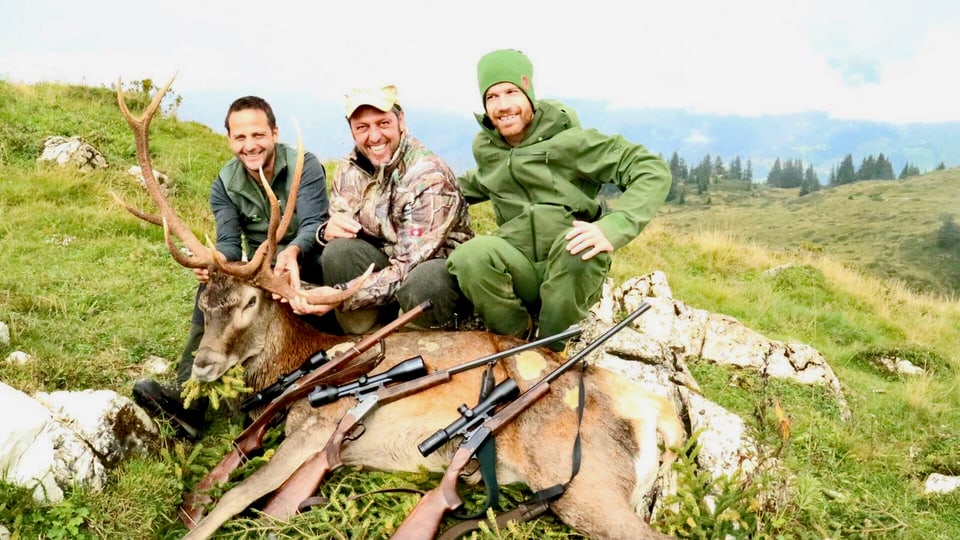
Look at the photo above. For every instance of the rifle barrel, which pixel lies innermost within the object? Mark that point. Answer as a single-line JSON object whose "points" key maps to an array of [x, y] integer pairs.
{"points": [[489, 359], [597, 342]]}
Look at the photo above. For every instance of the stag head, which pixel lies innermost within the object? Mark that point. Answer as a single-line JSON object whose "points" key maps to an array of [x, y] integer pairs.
{"points": [[237, 293]]}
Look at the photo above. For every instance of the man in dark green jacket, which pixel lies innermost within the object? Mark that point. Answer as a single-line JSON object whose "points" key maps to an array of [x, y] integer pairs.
{"points": [[542, 171], [242, 214]]}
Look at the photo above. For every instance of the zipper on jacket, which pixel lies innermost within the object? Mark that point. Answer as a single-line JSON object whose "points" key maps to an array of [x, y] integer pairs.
{"points": [[530, 206]]}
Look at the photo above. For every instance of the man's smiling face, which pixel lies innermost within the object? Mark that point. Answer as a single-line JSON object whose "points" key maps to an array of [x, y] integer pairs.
{"points": [[376, 133], [252, 139], [510, 111]]}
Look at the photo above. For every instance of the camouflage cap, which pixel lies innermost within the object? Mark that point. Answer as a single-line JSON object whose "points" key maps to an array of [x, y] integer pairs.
{"points": [[384, 98]]}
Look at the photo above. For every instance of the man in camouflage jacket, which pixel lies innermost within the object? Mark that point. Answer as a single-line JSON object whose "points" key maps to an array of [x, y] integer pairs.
{"points": [[394, 204]]}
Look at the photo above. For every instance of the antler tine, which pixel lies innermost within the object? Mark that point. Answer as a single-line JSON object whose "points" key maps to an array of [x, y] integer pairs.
{"points": [[294, 186], [259, 263], [316, 297], [140, 126], [149, 218]]}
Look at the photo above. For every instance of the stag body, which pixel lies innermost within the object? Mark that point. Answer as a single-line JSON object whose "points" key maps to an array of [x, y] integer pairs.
{"points": [[620, 425]]}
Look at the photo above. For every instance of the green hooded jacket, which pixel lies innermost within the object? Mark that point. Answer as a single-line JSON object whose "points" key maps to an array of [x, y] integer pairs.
{"points": [[539, 187]]}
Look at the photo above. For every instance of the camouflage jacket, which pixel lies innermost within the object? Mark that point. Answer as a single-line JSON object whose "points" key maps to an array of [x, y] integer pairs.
{"points": [[411, 207]]}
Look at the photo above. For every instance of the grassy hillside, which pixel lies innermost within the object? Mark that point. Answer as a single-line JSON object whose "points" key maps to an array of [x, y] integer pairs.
{"points": [[887, 228], [89, 292]]}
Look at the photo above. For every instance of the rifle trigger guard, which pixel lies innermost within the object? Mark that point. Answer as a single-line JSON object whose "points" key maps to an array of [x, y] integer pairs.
{"points": [[381, 354], [355, 433]]}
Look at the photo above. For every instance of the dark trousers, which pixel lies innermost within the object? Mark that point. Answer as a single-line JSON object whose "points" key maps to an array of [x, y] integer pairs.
{"points": [[346, 258]]}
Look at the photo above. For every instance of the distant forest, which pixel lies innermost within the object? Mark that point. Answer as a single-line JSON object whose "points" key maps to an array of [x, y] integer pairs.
{"points": [[784, 173]]}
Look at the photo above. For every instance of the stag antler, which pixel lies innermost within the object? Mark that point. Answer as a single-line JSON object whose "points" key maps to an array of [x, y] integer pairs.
{"points": [[201, 257], [258, 270]]}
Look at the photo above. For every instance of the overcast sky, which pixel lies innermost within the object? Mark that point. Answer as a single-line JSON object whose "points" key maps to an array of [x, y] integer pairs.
{"points": [[888, 60]]}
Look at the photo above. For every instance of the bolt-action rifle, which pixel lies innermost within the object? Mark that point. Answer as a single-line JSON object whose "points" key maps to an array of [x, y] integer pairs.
{"points": [[424, 520], [283, 382], [303, 483], [251, 439]]}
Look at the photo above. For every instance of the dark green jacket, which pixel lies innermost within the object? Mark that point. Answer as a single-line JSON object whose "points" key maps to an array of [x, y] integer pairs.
{"points": [[539, 187], [241, 209]]}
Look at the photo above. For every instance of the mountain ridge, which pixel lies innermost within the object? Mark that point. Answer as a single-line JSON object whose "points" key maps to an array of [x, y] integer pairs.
{"points": [[813, 137]]}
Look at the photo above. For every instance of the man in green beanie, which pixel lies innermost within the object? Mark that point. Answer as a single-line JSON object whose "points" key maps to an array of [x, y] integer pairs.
{"points": [[542, 171]]}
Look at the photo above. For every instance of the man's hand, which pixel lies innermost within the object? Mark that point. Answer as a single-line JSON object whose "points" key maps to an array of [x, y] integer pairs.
{"points": [[340, 226], [203, 275], [287, 262], [587, 235]]}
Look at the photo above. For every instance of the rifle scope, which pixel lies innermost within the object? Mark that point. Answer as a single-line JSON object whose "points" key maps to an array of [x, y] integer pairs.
{"points": [[269, 393], [470, 418], [409, 369]]}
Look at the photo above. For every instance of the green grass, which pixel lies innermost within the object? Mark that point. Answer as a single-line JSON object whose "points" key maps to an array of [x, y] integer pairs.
{"points": [[885, 227], [89, 292]]}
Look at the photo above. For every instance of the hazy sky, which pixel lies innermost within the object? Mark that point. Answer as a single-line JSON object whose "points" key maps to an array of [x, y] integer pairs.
{"points": [[889, 60]]}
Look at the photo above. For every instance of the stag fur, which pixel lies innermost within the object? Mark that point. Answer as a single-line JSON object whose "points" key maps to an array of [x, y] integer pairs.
{"points": [[244, 325], [620, 427]]}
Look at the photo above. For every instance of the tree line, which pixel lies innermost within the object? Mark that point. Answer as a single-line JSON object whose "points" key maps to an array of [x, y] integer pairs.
{"points": [[788, 173], [708, 169]]}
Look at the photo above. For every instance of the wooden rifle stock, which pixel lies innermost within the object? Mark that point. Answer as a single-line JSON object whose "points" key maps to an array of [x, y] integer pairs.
{"points": [[305, 481], [251, 439], [425, 519]]}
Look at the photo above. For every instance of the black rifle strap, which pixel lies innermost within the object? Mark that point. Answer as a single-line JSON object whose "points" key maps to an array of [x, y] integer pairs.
{"points": [[540, 501], [486, 458], [553, 493], [524, 512]]}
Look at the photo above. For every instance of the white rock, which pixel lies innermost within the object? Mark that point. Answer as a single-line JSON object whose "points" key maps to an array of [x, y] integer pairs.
{"points": [[18, 357], [941, 483]]}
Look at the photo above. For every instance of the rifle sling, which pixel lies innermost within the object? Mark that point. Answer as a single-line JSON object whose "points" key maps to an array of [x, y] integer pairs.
{"points": [[555, 492], [539, 502], [486, 459], [524, 512]]}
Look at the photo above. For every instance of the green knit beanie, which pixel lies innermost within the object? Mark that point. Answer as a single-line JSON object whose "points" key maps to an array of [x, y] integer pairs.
{"points": [[505, 65]]}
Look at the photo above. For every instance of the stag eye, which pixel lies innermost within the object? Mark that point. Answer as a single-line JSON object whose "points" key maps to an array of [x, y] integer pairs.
{"points": [[252, 302]]}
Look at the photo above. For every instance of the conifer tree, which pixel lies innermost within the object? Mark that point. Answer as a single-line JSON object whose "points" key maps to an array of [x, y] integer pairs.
{"points": [[736, 169], [748, 172], [774, 177], [868, 168], [718, 168], [811, 182], [884, 170], [909, 169], [948, 236], [846, 174]]}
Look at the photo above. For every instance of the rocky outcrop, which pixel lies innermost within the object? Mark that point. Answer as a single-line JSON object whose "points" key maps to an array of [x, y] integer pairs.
{"points": [[72, 151]]}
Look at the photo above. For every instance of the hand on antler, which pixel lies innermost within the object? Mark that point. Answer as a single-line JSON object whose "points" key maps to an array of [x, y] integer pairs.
{"points": [[287, 263]]}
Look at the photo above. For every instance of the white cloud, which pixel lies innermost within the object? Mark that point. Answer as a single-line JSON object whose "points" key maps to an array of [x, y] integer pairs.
{"points": [[881, 59]]}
